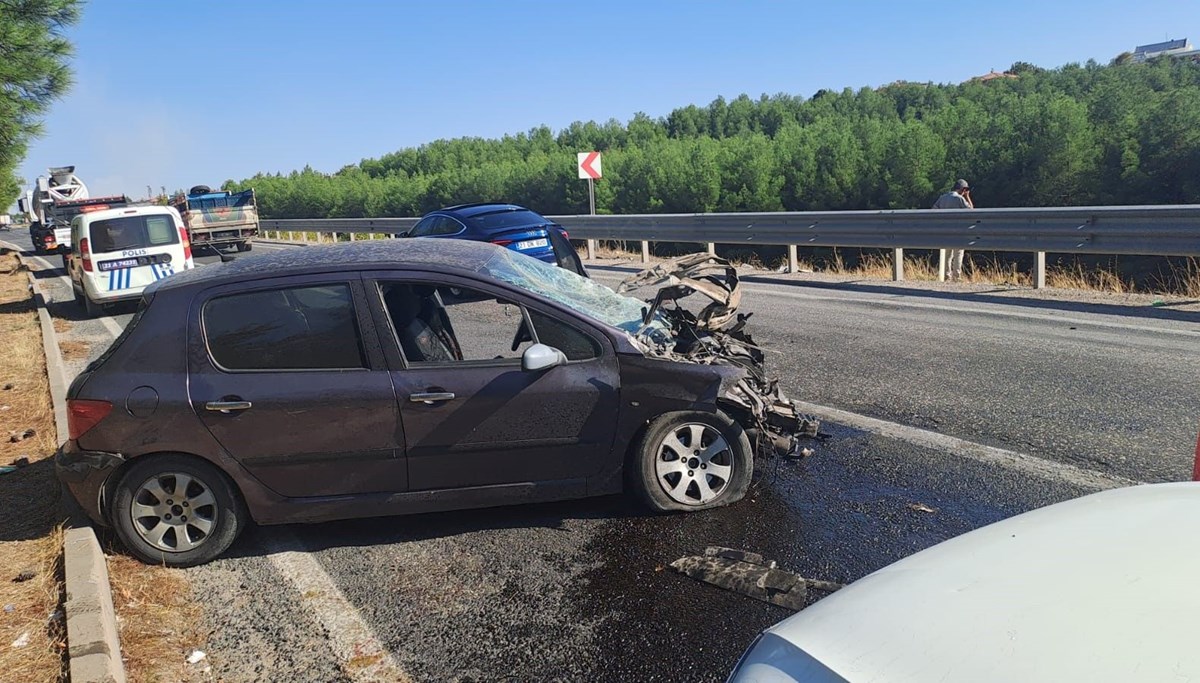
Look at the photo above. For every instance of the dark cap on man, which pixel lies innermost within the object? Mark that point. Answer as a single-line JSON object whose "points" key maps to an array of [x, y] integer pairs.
{"points": [[961, 184]]}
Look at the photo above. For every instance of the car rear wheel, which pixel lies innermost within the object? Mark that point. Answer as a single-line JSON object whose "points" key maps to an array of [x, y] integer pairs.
{"points": [[692, 461], [244, 246], [176, 510], [93, 309]]}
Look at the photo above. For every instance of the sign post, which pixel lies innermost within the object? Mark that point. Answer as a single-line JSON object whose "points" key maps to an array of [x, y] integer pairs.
{"points": [[588, 166]]}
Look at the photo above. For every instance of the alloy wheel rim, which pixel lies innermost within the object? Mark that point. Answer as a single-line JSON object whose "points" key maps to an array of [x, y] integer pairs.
{"points": [[174, 512], [693, 464]]}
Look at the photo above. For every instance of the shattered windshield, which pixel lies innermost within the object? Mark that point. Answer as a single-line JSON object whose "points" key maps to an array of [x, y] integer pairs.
{"points": [[573, 291]]}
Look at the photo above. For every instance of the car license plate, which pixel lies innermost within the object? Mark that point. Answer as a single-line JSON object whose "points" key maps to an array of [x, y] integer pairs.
{"points": [[532, 244], [123, 263]]}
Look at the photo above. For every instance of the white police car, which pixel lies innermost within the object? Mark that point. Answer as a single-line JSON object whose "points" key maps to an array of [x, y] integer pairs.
{"points": [[120, 251]]}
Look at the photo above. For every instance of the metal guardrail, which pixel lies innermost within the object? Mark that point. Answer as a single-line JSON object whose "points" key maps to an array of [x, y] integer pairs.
{"points": [[1172, 230]]}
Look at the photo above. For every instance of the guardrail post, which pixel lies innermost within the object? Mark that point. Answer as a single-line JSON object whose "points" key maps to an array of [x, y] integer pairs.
{"points": [[712, 248], [941, 265], [897, 265], [645, 251], [793, 262], [1039, 270], [591, 249]]}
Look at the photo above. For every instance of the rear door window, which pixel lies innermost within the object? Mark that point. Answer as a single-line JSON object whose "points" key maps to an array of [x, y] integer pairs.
{"points": [[296, 328], [133, 232], [437, 225]]}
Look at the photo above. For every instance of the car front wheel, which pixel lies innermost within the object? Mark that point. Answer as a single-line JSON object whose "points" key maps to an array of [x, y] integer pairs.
{"points": [[176, 510], [692, 461]]}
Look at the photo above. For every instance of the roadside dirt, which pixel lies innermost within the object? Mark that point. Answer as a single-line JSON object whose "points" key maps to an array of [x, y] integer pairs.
{"points": [[156, 612], [32, 631]]}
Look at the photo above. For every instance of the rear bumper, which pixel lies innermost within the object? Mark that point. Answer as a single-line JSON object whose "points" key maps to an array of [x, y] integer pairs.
{"points": [[215, 238], [84, 473]]}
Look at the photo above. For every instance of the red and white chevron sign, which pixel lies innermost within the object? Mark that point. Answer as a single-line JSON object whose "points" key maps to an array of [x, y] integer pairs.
{"points": [[589, 165]]}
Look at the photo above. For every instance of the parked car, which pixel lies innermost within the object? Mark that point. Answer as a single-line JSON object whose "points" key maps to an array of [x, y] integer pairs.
{"points": [[1100, 588], [347, 380], [119, 252], [507, 225]]}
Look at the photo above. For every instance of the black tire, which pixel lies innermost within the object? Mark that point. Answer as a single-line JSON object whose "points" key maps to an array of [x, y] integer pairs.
{"points": [[220, 512], [244, 246], [726, 473], [93, 309]]}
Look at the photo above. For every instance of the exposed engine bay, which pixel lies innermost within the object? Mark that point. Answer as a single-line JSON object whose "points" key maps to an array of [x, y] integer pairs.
{"points": [[717, 335]]}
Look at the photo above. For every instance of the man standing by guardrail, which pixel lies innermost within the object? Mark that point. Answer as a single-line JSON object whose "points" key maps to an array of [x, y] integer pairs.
{"points": [[958, 198]]}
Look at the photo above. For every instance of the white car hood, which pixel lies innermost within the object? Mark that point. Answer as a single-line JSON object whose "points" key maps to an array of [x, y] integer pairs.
{"points": [[1101, 588]]}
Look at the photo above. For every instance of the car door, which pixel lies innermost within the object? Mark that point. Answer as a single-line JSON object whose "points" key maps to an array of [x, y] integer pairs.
{"points": [[288, 376], [471, 415]]}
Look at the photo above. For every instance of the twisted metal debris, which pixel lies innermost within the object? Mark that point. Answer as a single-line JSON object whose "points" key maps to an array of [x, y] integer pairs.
{"points": [[717, 335]]}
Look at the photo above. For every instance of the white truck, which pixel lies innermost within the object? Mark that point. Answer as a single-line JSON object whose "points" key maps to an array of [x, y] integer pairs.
{"points": [[55, 199]]}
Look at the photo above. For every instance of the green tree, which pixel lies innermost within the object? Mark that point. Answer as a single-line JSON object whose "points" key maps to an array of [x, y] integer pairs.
{"points": [[33, 73]]}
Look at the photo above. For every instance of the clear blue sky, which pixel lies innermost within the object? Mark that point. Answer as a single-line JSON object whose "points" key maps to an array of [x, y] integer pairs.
{"points": [[176, 94]]}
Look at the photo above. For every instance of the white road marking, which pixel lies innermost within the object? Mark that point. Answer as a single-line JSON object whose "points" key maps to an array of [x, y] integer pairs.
{"points": [[1013, 460], [359, 652]]}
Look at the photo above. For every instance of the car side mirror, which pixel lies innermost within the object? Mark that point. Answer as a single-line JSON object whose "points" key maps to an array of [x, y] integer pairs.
{"points": [[541, 357]]}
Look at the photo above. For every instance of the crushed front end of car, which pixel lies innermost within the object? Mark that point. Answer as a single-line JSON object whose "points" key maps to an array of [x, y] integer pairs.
{"points": [[716, 335]]}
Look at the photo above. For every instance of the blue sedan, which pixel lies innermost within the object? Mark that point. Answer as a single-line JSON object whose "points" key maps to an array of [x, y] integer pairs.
{"points": [[507, 225]]}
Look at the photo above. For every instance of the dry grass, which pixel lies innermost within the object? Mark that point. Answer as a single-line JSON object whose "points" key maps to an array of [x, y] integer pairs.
{"points": [[1096, 279], [30, 532], [1182, 279], [61, 326], [73, 350], [159, 621]]}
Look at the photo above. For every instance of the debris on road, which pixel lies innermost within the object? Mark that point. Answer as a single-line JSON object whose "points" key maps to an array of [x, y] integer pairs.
{"points": [[920, 507], [196, 657], [716, 335], [752, 575], [17, 436]]}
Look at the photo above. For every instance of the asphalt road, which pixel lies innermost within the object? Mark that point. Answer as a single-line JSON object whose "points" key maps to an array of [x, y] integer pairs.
{"points": [[579, 590]]}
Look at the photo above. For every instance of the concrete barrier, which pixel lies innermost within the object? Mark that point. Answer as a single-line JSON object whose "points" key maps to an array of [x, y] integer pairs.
{"points": [[93, 645]]}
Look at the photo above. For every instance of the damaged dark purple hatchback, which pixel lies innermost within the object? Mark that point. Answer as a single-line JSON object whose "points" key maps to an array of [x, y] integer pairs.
{"points": [[392, 377]]}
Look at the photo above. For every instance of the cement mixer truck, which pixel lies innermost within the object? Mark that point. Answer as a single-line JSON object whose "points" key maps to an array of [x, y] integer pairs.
{"points": [[54, 200]]}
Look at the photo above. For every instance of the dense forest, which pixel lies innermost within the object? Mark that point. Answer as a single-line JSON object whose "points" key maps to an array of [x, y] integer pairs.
{"points": [[1088, 134]]}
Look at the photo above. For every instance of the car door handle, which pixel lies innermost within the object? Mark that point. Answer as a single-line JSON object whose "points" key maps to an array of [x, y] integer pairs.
{"points": [[226, 406], [429, 398]]}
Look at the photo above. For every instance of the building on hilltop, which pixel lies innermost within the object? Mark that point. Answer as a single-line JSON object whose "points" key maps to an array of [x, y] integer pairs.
{"points": [[1178, 49], [993, 75]]}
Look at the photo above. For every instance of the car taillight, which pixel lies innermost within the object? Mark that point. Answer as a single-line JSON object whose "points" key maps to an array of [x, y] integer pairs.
{"points": [[187, 245], [565, 233], [85, 254], [83, 414], [503, 243], [1196, 462]]}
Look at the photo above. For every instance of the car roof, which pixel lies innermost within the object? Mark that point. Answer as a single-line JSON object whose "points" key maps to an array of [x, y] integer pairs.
{"points": [[440, 254], [119, 211], [1097, 588], [469, 210]]}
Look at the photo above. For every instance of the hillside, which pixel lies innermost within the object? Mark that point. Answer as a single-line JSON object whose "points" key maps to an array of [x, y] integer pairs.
{"points": [[1077, 135]]}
